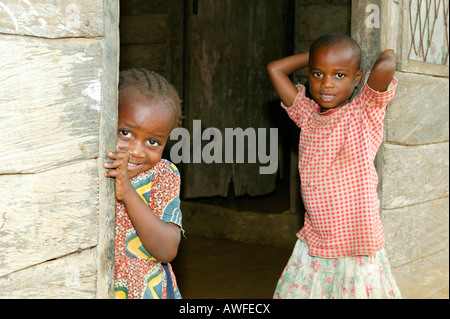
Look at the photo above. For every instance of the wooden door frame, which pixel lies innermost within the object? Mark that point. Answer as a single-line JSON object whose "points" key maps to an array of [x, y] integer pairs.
{"points": [[107, 142]]}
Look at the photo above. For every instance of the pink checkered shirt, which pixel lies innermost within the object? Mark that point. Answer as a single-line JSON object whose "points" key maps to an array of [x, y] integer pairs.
{"points": [[337, 173]]}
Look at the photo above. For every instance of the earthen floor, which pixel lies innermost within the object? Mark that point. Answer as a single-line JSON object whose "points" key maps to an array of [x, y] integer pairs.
{"points": [[209, 268]]}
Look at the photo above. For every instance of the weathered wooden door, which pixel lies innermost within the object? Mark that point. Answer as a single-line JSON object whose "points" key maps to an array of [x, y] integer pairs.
{"points": [[228, 45], [58, 109]]}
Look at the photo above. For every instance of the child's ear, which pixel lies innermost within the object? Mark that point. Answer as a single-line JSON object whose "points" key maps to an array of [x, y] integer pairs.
{"points": [[359, 75]]}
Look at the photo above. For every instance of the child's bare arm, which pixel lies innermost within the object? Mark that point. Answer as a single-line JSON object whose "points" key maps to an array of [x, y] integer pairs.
{"points": [[279, 72], [383, 71], [159, 238]]}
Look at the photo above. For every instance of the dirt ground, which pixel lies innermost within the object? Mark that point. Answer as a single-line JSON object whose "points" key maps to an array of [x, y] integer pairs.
{"points": [[222, 269]]}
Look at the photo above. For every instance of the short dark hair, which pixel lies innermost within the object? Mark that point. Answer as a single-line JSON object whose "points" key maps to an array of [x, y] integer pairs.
{"points": [[336, 39]]}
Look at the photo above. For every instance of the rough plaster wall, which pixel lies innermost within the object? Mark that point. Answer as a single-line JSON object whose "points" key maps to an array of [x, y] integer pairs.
{"points": [[416, 185]]}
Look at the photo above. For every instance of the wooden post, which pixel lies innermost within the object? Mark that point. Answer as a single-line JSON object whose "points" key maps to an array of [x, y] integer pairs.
{"points": [[107, 142]]}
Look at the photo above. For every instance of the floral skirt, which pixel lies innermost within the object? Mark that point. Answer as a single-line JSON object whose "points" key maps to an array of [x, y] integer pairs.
{"points": [[359, 277]]}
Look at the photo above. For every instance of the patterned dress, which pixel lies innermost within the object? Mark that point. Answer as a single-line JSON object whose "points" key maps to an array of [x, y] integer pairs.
{"points": [[356, 277], [138, 275], [340, 249]]}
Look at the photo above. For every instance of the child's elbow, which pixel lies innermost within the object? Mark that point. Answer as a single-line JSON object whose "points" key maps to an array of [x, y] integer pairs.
{"points": [[387, 62], [170, 250], [271, 68], [384, 73], [386, 66], [167, 258], [165, 255]]}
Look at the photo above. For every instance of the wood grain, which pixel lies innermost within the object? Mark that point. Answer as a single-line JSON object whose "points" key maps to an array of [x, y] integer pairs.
{"points": [[52, 91], [47, 215], [52, 19]]}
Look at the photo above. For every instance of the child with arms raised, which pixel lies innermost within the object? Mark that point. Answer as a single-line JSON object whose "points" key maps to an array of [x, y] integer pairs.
{"points": [[340, 249], [148, 216]]}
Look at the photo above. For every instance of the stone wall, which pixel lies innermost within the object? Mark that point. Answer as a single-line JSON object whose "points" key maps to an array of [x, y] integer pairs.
{"points": [[416, 185], [413, 162]]}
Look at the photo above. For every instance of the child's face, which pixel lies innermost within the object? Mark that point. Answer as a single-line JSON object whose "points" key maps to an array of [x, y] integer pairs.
{"points": [[143, 131], [333, 75]]}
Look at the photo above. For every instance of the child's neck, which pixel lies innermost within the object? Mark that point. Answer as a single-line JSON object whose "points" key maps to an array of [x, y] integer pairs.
{"points": [[325, 110]]}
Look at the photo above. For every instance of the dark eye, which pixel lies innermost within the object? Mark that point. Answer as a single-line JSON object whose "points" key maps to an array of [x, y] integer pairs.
{"points": [[317, 74], [153, 142], [125, 133], [340, 75]]}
